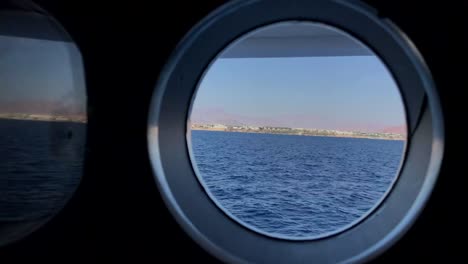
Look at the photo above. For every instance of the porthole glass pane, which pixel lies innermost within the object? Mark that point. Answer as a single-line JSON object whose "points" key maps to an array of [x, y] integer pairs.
{"points": [[42, 122], [297, 130]]}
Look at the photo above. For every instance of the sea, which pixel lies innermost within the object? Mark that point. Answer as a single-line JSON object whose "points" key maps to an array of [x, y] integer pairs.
{"points": [[282, 185], [294, 186], [41, 165]]}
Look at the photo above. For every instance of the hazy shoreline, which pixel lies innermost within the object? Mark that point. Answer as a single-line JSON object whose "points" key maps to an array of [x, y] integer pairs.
{"points": [[43, 117], [301, 132]]}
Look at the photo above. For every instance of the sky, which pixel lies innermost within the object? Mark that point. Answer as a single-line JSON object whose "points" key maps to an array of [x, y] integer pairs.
{"points": [[343, 92], [40, 76]]}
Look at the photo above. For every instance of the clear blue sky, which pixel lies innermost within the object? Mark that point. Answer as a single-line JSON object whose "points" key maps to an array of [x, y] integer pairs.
{"points": [[347, 92]]}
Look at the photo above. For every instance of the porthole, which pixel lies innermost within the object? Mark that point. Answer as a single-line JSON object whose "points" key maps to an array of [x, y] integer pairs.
{"points": [[193, 204], [297, 130], [42, 120]]}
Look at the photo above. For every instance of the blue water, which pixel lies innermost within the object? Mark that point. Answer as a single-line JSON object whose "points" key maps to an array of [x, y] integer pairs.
{"points": [[295, 186], [40, 167]]}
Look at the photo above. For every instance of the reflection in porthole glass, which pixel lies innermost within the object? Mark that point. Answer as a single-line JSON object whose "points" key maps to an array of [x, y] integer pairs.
{"points": [[42, 124], [297, 130]]}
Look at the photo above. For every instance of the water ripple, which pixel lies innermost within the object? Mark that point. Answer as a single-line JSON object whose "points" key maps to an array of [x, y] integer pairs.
{"points": [[295, 185]]}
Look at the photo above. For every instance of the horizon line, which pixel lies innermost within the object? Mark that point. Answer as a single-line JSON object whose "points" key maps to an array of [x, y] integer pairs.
{"points": [[299, 128]]}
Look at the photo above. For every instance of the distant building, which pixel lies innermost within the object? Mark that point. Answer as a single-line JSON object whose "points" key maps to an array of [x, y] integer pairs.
{"points": [[219, 126]]}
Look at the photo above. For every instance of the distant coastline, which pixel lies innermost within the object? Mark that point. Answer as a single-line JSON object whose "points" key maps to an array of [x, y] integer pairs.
{"points": [[44, 117], [297, 131]]}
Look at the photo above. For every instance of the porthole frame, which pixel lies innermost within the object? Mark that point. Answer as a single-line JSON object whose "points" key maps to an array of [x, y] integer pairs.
{"points": [[32, 22], [224, 237], [339, 229]]}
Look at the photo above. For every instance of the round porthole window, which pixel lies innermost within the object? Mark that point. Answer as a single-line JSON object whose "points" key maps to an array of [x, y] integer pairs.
{"points": [[42, 120], [297, 130], [295, 133]]}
